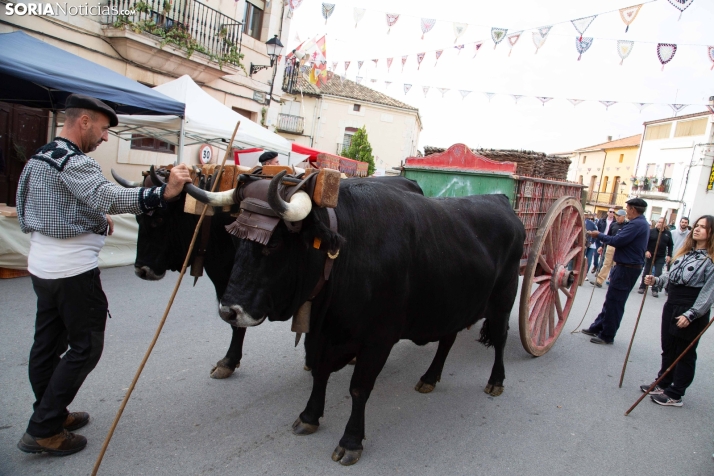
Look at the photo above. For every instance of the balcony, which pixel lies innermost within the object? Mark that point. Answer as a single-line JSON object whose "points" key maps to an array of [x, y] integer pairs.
{"points": [[291, 124], [176, 36], [649, 189], [607, 199]]}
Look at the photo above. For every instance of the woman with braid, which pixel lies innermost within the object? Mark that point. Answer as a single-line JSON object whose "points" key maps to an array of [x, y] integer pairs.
{"points": [[686, 312]]}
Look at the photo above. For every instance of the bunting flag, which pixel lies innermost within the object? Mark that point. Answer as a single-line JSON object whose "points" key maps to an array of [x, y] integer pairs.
{"points": [[677, 107], [373, 80], [497, 35], [582, 24], [464, 93], [334, 66], [665, 52], [425, 89], [543, 99], [391, 20], [607, 104], [404, 60], [420, 57], [641, 105], [513, 39], [710, 108], [426, 25], [478, 46], [516, 97], [375, 62], [386, 84], [293, 4], [347, 65], [358, 14], [459, 29], [389, 63], [628, 15], [540, 35], [327, 9], [407, 87], [624, 48], [575, 102], [681, 5], [582, 45], [710, 53], [359, 66], [359, 79], [438, 55], [489, 96], [459, 47], [443, 91]]}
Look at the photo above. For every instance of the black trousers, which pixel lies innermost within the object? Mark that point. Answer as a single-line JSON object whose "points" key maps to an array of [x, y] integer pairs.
{"points": [[70, 312], [622, 280]]}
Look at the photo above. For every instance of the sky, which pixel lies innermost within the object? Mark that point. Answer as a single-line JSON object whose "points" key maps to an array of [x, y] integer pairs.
{"points": [[554, 71]]}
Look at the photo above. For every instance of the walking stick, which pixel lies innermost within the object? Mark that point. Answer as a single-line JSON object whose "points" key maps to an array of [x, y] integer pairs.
{"points": [[166, 313], [637, 322], [656, 382]]}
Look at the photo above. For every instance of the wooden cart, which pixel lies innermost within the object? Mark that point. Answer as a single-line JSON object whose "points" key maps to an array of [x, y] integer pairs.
{"points": [[551, 211]]}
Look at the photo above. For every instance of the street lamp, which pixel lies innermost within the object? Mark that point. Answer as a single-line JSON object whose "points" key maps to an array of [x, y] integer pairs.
{"points": [[274, 48]]}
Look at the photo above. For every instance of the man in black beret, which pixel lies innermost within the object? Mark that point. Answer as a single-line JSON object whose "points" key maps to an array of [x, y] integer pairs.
{"points": [[269, 158], [64, 201], [630, 245]]}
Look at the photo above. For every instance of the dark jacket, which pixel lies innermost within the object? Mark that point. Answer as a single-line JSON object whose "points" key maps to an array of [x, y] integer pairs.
{"points": [[590, 226], [601, 225], [614, 229], [631, 242], [665, 243]]}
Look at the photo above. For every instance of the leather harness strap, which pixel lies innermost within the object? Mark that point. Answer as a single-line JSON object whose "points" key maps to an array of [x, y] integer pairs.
{"points": [[329, 259], [198, 256]]}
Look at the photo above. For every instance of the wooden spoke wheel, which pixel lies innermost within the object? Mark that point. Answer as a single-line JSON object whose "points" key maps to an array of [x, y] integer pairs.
{"points": [[552, 275]]}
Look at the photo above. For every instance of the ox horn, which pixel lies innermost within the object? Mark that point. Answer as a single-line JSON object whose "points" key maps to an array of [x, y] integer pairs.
{"points": [[124, 182], [155, 178], [214, 199], [296, 210]]}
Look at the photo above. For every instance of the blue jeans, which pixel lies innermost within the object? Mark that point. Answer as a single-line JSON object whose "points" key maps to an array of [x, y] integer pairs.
{"points": [[622, 280], [589, 254]]}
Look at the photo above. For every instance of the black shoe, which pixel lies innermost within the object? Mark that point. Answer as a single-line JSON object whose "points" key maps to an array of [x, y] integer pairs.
{"points": [[61, 444], [655, 293], [597, 340], [655, 391], [76, 420], [588, 332], [663, 399], [641, 291], [596, 284]]}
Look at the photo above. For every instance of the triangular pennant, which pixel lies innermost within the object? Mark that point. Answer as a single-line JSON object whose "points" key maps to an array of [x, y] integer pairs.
{"points": [[389, 63], [624, 48], [516, 97], [711, 109], [582, 24], [375, 62], [425, 89], [464, 93], [407, 87], [513, 39], [404, 60], [358, 14], [459, 47], [665, 52], [575, 102], [607, 104], [386, 84], [373, 80], [327, 9], [540, 35], [347, 65], [710, 53], [443, 91], [438, 55], [641, 105], [543, 99], [391, 20], [293, 4], [489, 96], [359, 79], [420, 57], [459, 29], [426, 25], [628, 15], [497, 35], [582, 45], [681, 5], [478, 46], [677, 107], [359, 65]]}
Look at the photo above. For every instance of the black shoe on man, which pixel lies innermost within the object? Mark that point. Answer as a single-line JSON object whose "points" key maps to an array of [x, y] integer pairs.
{"points": [[61, 444], [588, 332], [663, 399], [641, 291], [657, 390], [597, 340], [76, 420]]}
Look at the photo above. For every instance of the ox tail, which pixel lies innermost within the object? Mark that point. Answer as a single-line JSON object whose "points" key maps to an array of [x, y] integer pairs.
{"points": [[485, 337]]}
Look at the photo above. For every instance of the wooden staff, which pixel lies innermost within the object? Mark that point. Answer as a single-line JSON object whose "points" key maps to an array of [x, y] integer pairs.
{"points": [[166, 313], [656, 382], [644, 296]]}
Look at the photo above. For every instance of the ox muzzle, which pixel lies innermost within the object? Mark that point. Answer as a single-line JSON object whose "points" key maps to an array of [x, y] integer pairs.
{"points": [[235, 316]]}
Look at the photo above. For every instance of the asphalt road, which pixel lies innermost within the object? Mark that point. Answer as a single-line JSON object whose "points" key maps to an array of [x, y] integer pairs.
{"points": [[560, 414]]}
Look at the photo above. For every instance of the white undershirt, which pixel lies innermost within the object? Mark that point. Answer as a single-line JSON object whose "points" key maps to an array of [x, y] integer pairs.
{"points": [[53, 258]]}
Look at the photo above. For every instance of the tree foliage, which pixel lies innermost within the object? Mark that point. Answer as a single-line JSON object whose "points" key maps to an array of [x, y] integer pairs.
{"points": [[360, 149]]}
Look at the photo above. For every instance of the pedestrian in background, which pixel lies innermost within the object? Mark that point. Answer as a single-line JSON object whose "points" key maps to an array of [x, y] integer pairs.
{"points": [[603, 226], [590, 249], [679, 234], [654, 264], [609, 251], [686, 312]]}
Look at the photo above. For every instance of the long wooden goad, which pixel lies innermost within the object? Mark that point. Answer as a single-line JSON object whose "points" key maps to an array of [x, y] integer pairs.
{"points": [[166, 313]]}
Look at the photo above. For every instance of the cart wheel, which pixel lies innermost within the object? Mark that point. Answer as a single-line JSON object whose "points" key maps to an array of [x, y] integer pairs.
{"points": [[552, 276]]}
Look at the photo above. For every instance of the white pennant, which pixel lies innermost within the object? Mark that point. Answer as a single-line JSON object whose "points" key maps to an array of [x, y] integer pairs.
{"points": [[358, 14], [459, 29]]}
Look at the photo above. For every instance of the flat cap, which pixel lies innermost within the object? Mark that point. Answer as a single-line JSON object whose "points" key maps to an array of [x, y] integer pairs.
{"points": [[637, 202], [266, 156], [80, 101], [621, 213]]}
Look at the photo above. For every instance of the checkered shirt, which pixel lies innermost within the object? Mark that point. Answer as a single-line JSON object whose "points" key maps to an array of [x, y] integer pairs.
{"points": [[62, 193]]}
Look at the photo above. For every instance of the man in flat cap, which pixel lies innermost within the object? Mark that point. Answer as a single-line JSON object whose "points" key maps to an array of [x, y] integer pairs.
{"points": [[64, 201], [269, 158], [630, 245]]}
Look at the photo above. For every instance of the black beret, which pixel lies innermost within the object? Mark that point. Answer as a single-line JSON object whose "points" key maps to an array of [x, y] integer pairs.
{"points": [[266, 156], [80, 101], [637, 202]]}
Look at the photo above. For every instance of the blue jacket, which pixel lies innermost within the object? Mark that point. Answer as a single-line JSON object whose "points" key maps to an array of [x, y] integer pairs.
{"points": [[590, 226], [631, 242]]}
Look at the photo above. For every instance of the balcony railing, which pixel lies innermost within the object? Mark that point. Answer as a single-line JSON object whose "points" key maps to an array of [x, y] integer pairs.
{"points": [[292, 124], [616, 199], [293, 70], [663, 186], [186, 23]]}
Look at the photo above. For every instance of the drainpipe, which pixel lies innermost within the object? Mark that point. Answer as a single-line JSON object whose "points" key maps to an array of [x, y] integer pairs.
{"points": [[318, 109]]}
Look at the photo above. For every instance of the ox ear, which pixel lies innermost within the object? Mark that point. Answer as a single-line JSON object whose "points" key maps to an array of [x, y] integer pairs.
{"points": [[320, 234]]}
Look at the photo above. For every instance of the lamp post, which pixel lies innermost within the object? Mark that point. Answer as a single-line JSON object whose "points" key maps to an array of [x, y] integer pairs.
{"points": [[274, 47]]}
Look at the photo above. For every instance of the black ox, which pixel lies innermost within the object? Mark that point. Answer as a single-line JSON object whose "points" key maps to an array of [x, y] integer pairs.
{"points": [[409, 267]]}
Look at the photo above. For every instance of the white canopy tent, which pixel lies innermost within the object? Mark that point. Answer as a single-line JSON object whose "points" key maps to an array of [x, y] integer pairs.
{"points": [[206, 120]]}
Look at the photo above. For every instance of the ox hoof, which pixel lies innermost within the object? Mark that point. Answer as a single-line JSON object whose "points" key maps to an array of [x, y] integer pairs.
{"points": [[493, 390], [422, 387], [353, 362], [221, 371], [346, 457], [300, 428]]}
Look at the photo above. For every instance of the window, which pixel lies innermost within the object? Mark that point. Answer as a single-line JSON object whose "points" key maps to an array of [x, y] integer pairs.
{"points": [[245, 113], [603, 187], [622, 157], [139, 142], [696, 127], [347, 139], [585, 157], [356, 107], [660, 131], [651, 170], [253, 20], [668, 169]]}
